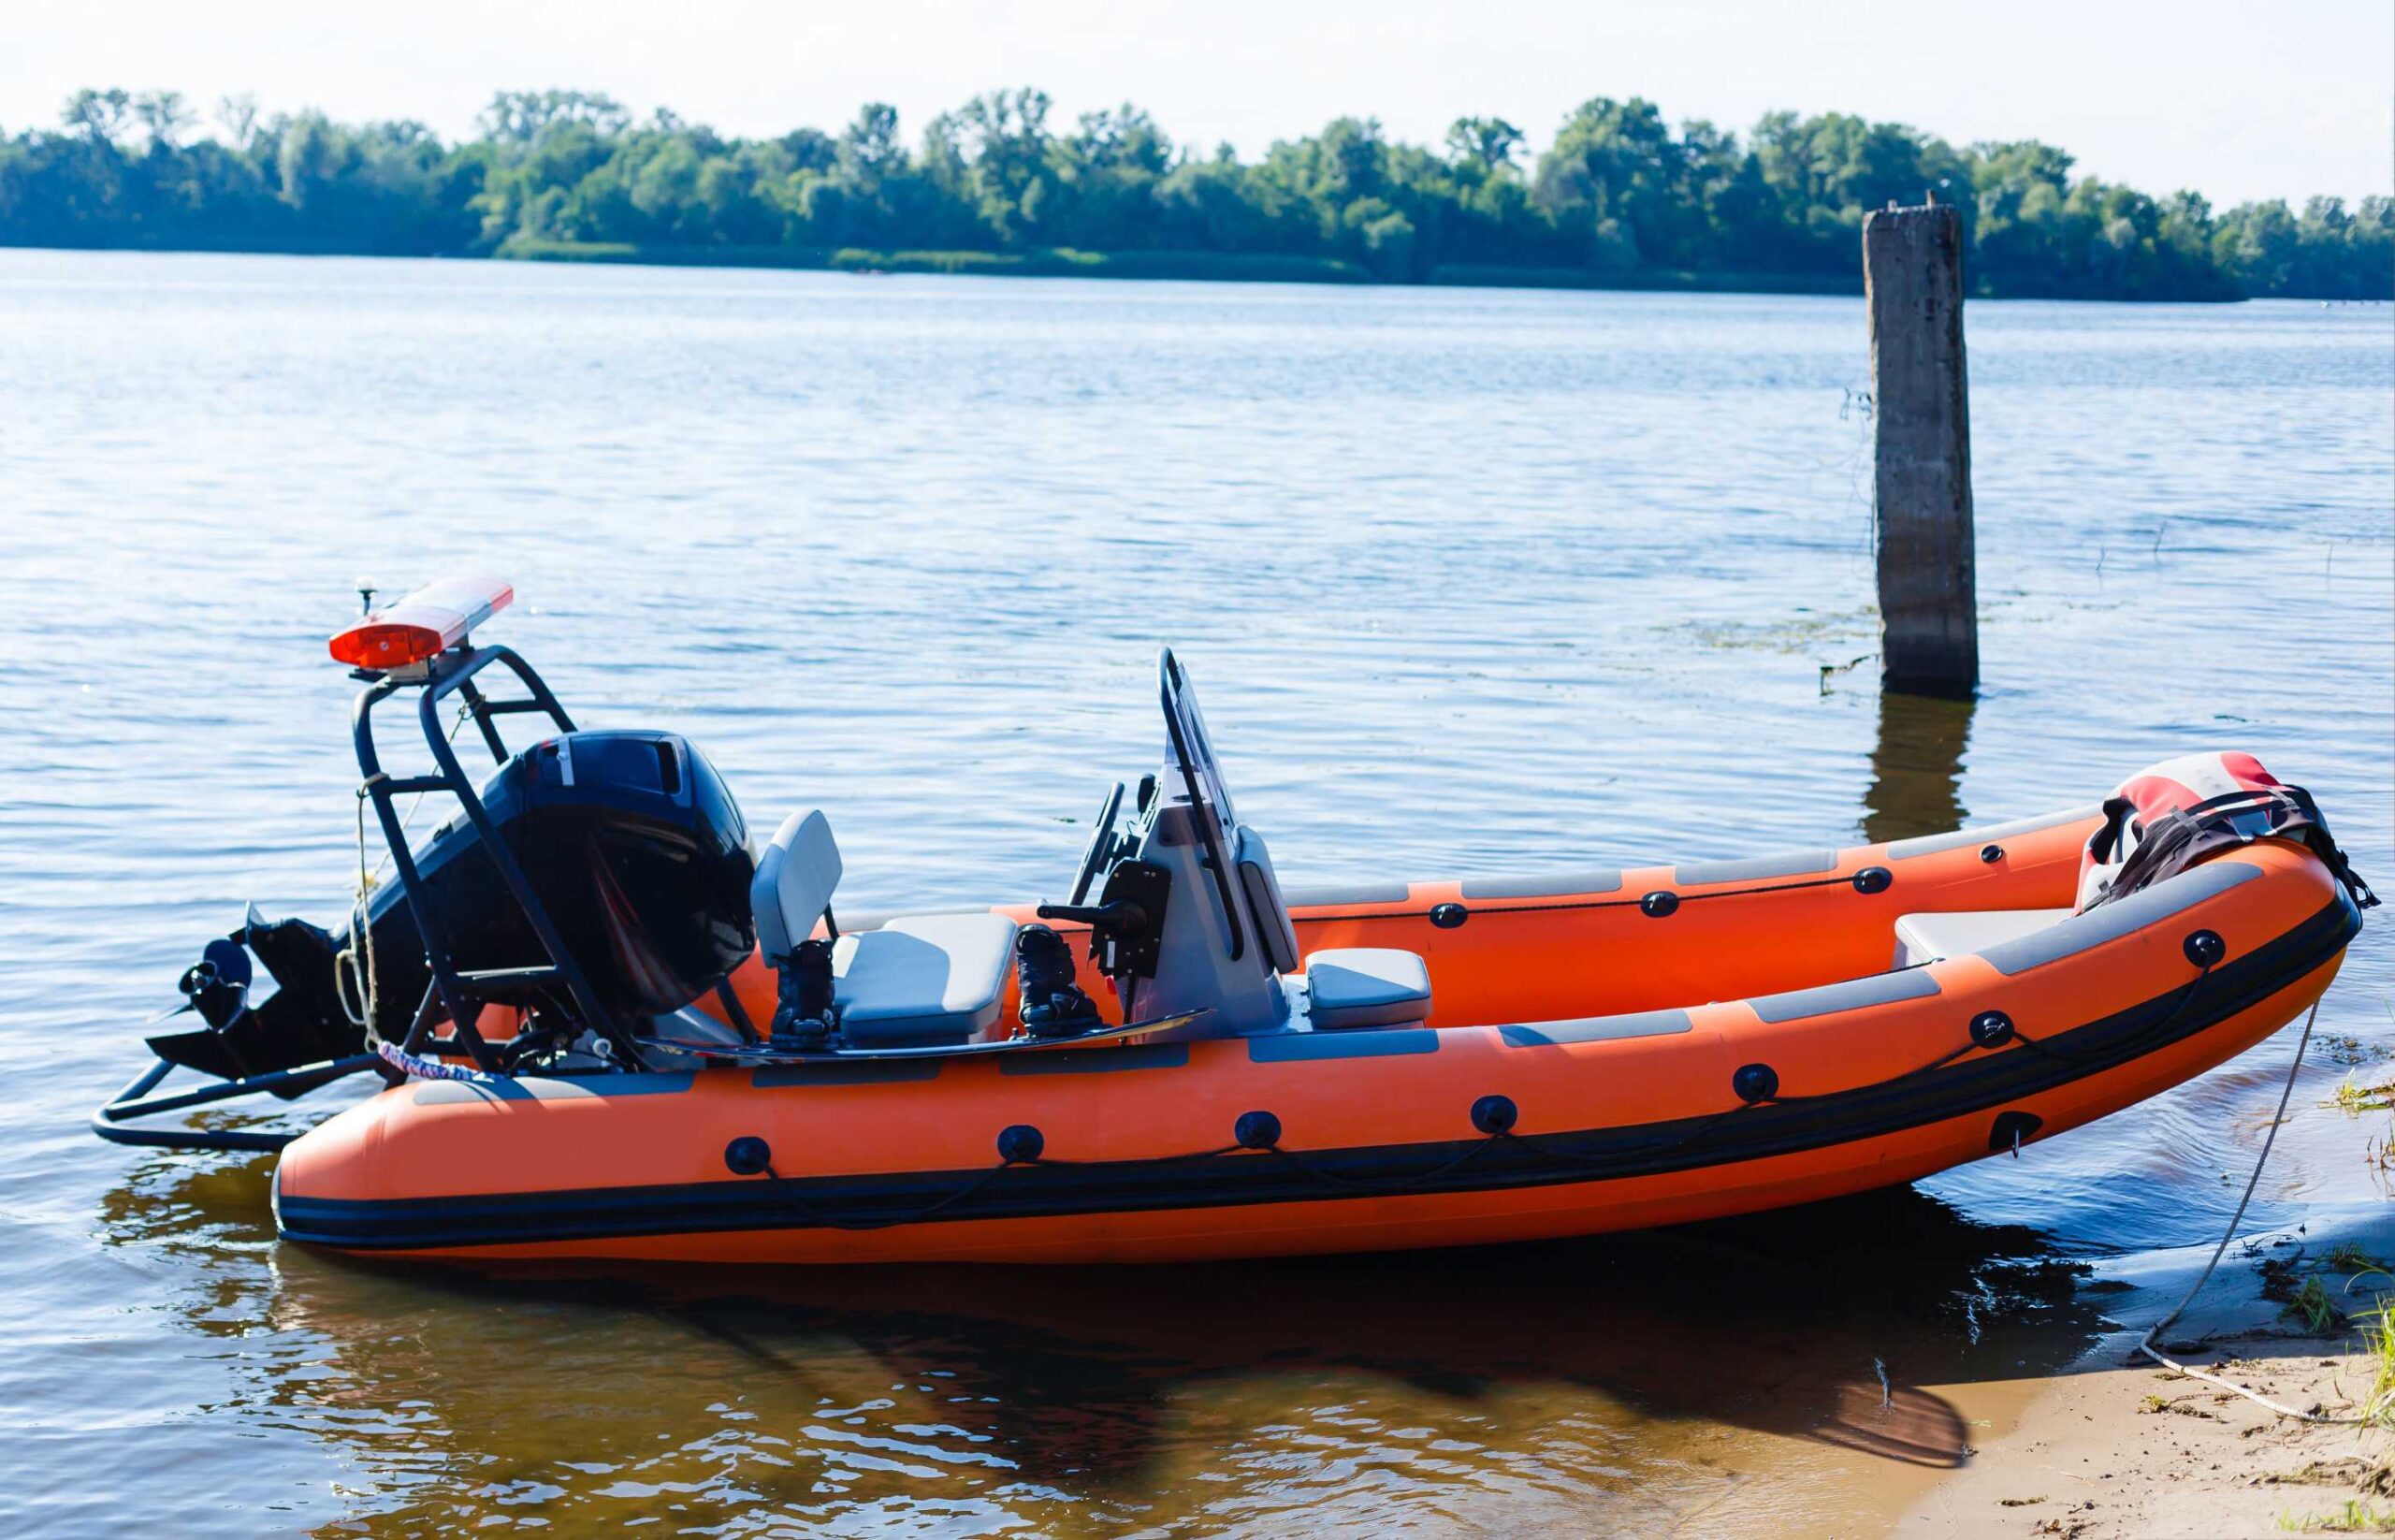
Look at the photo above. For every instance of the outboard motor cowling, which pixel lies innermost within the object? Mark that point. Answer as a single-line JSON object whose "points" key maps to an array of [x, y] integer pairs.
{"points": [[633, 847]]}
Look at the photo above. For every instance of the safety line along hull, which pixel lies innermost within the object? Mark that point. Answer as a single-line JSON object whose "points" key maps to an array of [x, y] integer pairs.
{"points": [[1625, 1118]]}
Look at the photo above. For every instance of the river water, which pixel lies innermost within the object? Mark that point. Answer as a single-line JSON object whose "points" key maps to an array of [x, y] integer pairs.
{"points": [[1472, 581]]}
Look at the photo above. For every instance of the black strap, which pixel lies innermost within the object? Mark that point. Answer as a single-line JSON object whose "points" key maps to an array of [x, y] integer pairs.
{"points": [[2186, 836], [2107, 838]]}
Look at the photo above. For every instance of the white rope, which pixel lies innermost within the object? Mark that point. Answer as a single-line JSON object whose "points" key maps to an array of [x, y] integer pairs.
{"points": [[2145, 1344], [360, 926], [346, 960]]}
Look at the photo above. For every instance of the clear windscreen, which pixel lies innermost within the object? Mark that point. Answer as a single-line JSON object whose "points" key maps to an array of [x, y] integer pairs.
{"points": [[1201, 778], [1192, 749]]}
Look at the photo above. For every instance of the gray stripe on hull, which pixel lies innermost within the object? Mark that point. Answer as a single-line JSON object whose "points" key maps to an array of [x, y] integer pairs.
{"points": [[538, 1088], [1547, 884], [2083, 932], [1756, 868], [1338, 895], [1993, 833], [1644, 1023], [1286, 1047], [1798, 1005]]}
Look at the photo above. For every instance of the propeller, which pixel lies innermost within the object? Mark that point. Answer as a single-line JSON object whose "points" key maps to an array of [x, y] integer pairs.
{"points": [[218, 985]]}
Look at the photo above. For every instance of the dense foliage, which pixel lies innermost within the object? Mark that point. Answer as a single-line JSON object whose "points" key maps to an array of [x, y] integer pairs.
{"points": [[1620, 197]]}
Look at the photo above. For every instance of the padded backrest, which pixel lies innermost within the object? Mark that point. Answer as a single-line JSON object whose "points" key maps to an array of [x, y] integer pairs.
{"points": [[1262, 891], [795, 877]]}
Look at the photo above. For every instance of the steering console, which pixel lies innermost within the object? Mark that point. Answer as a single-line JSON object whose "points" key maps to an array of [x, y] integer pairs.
{"points": [[1106, 847]]}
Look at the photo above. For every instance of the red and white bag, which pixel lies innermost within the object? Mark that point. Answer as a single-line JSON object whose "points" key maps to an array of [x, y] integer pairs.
{"points": [[2164, 819]]}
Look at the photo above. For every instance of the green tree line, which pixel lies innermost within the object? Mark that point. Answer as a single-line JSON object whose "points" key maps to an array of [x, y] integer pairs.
{"points": [[1620, 197]]}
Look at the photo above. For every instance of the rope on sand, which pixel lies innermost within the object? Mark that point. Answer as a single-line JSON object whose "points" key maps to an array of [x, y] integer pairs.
{"points": [[2145, 1344]]}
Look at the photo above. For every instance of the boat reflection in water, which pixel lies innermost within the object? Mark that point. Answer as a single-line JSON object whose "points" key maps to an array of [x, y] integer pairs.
{"points": [[1917, 767], [1621, 1382]]}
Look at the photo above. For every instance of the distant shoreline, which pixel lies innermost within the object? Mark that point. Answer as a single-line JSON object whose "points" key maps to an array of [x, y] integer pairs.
{"points": [[1120, 266], [1205, 267], [1621, 200], [1137, 266]]}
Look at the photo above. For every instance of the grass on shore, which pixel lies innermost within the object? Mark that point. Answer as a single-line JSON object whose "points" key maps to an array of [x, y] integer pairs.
{"points": [[1214, 267], [2355, 1517], [1052, 262], [2377, 1325]]}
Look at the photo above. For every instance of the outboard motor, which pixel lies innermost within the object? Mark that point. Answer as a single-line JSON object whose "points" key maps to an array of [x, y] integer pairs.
{"points": [[595, 882], [633, 847], [631, 844]]}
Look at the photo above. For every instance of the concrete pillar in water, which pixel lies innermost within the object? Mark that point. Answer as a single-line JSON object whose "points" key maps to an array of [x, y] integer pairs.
{"points": [[1912, 284]]}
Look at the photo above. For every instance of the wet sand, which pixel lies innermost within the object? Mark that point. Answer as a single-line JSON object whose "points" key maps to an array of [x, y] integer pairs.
{"points": [[1814, 1490], [2119, 1447]]}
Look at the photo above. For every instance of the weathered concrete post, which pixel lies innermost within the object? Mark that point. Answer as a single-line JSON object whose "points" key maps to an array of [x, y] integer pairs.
{"points": [[1912, 283]]}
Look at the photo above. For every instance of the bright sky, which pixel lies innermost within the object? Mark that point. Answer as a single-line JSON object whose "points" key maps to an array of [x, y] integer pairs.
{"points": [[2236, 99]]}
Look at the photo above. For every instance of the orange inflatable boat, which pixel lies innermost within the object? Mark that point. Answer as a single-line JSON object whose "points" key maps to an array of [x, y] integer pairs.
{"points": [[614, 1026]]}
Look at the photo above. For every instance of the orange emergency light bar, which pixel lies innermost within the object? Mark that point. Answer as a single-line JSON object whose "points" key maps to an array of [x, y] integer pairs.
{"points": [[424, 625]]}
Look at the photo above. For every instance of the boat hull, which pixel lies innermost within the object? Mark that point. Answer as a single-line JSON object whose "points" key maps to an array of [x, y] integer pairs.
{"points": [[1389, 1139]]}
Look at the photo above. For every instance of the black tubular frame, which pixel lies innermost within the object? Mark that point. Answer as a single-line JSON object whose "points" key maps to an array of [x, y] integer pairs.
{"points": [[464, 995], [458, 995], [134, 1101]]}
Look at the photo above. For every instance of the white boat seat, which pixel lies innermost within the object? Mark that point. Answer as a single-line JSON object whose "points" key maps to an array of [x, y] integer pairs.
{"points": [[923, 980], [1366, 986], [919, 981], [1928, 938], [796, 872]]}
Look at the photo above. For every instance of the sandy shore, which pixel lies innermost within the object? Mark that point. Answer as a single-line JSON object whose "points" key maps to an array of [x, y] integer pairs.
{"points": [[2117, 1450]]}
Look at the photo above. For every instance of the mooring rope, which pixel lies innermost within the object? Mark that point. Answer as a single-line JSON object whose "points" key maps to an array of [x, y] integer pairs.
{"points": [[345, 962], [2145, 1344]]}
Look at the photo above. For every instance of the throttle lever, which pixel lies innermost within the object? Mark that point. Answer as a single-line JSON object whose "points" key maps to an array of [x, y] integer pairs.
{"points": [[1127, 928], [1124, 918]]}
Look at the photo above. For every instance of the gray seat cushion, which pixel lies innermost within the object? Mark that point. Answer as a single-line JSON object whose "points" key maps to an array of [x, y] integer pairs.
{"points": [[798, 872], [1275, 934], [1366, 986], [922, 979], [1927, 938]]}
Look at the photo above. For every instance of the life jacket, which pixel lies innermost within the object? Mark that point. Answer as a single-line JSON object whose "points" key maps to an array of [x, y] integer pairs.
{"points": [[2184, 811]]}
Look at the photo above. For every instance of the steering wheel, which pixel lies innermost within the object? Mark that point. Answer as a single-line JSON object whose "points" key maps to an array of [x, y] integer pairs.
{"points": [[1105, 847]]}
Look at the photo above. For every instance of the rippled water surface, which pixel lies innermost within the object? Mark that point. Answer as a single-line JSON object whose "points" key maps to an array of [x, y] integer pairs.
{"points": [[1471, 580]]}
